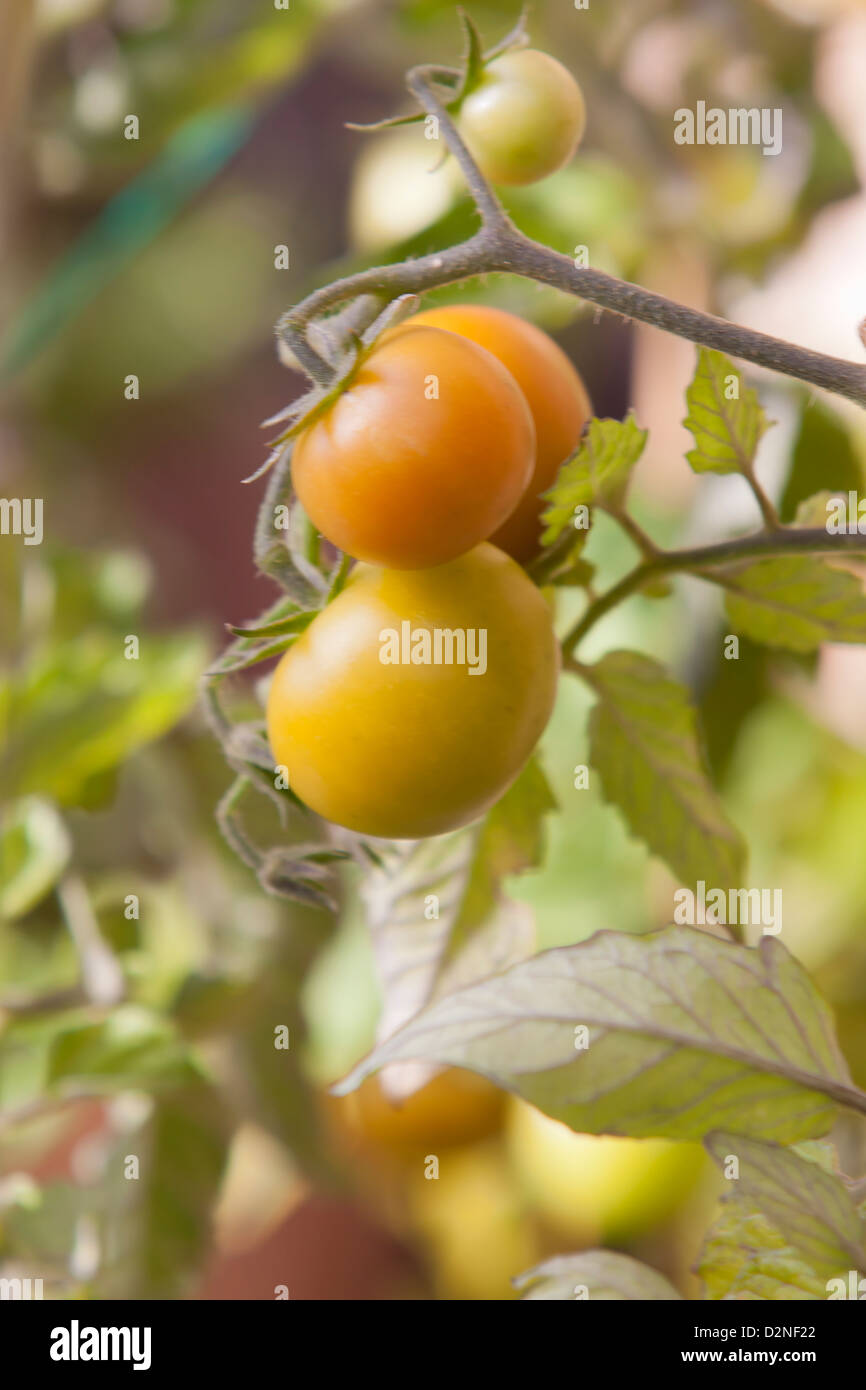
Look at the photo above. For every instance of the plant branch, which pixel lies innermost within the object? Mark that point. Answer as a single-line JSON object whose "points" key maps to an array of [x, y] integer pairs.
{"points": [[499, 246], [548, 267], [703, 560], [489, 207]]}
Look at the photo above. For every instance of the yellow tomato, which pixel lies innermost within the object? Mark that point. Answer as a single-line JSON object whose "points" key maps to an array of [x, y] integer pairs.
{"points": [[411, 703], [598, 1187]]}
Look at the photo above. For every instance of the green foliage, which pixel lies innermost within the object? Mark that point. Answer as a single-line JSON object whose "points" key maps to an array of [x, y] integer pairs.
{"points": [[597, 473], [600, 1275], [796, 602], [131, 1046], [644, 744], [726, 419], [787, 1226], [34, 850], [824, 458], [437, 910], [80, 702], [686, 1031]]}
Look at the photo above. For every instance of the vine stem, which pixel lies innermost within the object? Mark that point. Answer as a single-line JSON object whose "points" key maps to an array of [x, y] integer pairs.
{"points": [[703, 560], [499, 246]]}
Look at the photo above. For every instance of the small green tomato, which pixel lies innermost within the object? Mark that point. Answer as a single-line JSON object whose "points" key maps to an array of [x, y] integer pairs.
{"points": [[525, 119]]}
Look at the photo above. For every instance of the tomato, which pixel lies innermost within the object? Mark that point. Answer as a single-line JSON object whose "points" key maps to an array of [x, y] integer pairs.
{"points": [[553, 389], [408, 748], [424, 454], [599, 1187], [454, 1107], [525, 119]]}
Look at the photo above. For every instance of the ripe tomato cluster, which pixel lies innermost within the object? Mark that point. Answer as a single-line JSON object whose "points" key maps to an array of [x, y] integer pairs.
{"points": [[412, 701], [410, 704]]}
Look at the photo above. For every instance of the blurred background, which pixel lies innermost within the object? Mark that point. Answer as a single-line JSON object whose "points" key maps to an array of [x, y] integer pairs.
{"points": [[142, 970]]}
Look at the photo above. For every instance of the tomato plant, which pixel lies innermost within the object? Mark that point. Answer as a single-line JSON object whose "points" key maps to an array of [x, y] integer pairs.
{"points": [[622, 1036], [541, 872]]}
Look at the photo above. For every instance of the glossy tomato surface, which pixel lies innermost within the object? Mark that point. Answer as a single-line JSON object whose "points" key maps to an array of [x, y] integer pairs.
{"points": [[425, 453], [554, 391], [407, 748]]}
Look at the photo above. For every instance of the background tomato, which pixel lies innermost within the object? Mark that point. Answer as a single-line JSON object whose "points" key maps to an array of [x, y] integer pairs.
{"points": [[525, 119], [454, 1107], [424, 455], [555, 394], [599, 1187], [411, 750]]}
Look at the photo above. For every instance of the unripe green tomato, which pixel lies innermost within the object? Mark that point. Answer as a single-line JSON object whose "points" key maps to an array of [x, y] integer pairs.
{"points": [[525, 119], [406, 748]]}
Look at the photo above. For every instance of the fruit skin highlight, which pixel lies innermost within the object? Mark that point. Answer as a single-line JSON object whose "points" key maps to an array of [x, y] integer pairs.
{"points": [[423, 455], [554, 392], [410, 750], [525, 119]]}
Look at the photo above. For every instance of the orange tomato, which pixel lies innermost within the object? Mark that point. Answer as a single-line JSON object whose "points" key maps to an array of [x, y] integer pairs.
{"points": [[454, 1107], [425, 453], [380, 736], [553, 389]]}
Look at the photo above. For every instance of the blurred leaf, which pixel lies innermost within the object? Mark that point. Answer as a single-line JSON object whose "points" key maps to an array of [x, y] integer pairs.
{"points": [[276, 1076], [795, 601], [812, 511], [436, 908], [807, 1203], [832, 173], [645, 747], [598, 1275], [83, 708], [787, 1225], [726, 431], [733, 690], [596, 473], [130, 1048], [687, 1033], [34, 851], [125, 226], [147, 1232], [824, 457], [186, 1146]]}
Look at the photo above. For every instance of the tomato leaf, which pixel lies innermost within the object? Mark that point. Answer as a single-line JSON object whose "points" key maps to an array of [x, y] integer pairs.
{"points": [[34, 850], [596, 474], [130, 1047], [600, 1275], [727, 427], [436, 909], [794, 601], [685, 1033], [644, 744], [788, 1223]]}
